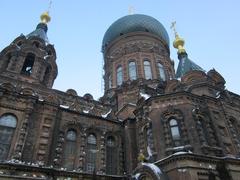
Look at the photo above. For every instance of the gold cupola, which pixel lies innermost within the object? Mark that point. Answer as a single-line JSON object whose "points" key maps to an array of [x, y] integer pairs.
{"points": [[179, 42], [45, 18]]}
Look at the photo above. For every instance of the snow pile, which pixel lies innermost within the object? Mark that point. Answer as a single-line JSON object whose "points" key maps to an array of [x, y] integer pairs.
{"points": [[182, 170], [149, 151], [86, 111], [64, 106], [179, 148], [105, 115], [181, 152], [154, 168], [218, 94], [136, 176], [145, 96]]}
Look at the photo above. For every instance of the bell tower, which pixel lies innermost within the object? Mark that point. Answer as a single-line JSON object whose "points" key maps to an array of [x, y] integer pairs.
{"points": [[30, 58]]}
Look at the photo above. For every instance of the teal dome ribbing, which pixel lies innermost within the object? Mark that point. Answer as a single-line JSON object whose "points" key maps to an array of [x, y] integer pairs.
{"points": [[135, 23]]}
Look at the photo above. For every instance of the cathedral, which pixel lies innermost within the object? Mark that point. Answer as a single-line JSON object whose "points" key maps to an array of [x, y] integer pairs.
{"points": [[152, 123]]}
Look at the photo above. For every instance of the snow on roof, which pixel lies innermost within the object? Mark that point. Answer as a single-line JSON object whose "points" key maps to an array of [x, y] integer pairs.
{"points": [[64, 106], [86, 111], [154, 168], [105, 115], [145, 96]]}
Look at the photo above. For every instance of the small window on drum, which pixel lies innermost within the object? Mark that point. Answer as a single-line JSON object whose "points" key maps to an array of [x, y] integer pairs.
{"points": [[119, 75], [162, 75], [175, 132], [147, 69], [132, 70]]}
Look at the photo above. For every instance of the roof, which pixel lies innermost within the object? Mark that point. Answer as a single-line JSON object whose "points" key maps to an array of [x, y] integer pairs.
{"points": [[135, 23], [40, 31], [185, 65]]}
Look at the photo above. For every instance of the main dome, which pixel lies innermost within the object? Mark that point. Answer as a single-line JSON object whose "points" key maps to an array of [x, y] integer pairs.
{"points": [[135, 23]]}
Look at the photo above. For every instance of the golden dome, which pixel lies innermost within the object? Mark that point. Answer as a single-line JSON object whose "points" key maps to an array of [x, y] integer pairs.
{"points": [[178, 43], [45, 18]]}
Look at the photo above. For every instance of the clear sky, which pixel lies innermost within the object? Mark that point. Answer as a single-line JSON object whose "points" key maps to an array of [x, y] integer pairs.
{"points": [[211, 29]]}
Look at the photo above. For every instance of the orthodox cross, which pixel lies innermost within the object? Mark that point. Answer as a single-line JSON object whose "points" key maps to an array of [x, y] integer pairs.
{"points": [[173, 27], [49, 5], [131, 10]]}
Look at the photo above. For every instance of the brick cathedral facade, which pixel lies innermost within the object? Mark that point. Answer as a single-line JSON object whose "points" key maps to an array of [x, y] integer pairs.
{"points": [[151, 123]]}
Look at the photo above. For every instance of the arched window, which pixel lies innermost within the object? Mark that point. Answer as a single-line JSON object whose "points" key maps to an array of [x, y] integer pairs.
{"points": [[28, 64], [70, 149], [8, 124], [111, 156], [161, 72], [174, 128], [119, 76], [91, 153], [147, 69], [132, 70]]}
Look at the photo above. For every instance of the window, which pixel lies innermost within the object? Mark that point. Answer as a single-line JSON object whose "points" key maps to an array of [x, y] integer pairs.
{"points": [[204, 135], [147, 69], [28, 64], [161, 72], [47, 75], [111, 156], [119, 76], [91, 153], [70, 149], [149, 141], [110, 81], [132, 70], [235, 128], [174, 128], [8, 124]]}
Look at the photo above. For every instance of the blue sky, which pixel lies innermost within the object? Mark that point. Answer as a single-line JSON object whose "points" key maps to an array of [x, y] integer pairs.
{"points": [[210, 29]]}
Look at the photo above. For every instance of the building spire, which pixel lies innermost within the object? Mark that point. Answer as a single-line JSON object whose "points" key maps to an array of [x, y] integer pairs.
{"points": [[178, 43], [185, 64], [41, 30], [45, 18]]}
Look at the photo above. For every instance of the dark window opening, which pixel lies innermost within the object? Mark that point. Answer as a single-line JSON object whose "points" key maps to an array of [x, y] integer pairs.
{"points": [[28, 65], [36, 44], [19, 43], [49, 53]]}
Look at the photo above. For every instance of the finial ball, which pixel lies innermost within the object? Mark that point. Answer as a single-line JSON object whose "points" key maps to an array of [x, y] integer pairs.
{"points": [[45, 18]]}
